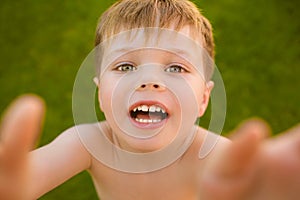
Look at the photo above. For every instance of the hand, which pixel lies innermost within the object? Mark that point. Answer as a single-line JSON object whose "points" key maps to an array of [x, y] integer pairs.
{"points": [[18, 133], [253, 167]]}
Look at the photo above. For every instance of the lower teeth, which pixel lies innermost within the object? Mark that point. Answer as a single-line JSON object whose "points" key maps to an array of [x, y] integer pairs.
{"points": [[147, 120]]}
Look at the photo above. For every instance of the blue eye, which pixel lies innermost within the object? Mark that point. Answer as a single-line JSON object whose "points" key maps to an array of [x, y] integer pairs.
{"points": [[126, 67], [175, 69]]}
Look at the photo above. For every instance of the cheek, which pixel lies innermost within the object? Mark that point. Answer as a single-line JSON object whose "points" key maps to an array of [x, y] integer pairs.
{"points": [[198, 88], [104, 97], [199, 91], [200, 96], [105, 93]]}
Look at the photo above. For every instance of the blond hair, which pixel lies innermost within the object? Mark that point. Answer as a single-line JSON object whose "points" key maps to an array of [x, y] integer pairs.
{"points": [[131, 14]]}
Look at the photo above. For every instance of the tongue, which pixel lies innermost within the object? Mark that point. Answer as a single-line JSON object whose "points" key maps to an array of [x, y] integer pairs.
{"points": [[148, 116], [143, 116]]}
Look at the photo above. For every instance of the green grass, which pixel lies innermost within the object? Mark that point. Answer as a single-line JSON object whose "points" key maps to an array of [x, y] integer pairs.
{"points": [[43, 44]]}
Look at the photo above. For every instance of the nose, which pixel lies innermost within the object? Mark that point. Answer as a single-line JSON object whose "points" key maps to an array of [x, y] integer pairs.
{"points": [[151, 86]]}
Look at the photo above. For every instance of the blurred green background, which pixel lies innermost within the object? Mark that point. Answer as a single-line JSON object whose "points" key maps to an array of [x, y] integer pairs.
{"points": [[43, 43]]}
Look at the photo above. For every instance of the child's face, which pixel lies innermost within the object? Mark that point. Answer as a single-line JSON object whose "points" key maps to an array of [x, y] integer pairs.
{"points": [[152, 88]]}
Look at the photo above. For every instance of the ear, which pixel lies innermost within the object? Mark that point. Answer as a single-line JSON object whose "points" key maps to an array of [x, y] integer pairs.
{"points": [[97, 83], [206, 96]]}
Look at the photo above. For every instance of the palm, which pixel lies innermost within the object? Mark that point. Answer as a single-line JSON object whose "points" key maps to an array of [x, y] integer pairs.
{"points": [[253, 168], [18, 132]]}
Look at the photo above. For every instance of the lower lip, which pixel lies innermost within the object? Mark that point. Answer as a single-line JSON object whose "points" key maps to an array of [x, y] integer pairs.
{"points": [[148, 125]]}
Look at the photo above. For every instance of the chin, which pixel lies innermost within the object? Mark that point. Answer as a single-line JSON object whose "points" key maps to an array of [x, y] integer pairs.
{"points": [[146, 145]]}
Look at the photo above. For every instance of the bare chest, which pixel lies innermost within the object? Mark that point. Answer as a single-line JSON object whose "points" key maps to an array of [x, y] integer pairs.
{"points": [[172, 182]]}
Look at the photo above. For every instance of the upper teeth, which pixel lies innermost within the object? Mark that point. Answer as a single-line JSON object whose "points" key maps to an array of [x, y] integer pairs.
{"points": [[146, 108]]}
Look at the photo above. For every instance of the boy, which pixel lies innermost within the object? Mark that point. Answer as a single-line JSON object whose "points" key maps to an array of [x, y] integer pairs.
{"points": [[149, 119]]}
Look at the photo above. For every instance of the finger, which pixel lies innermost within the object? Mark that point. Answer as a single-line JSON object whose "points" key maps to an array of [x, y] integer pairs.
{"points": [[246, 140], [21, 125], [255, 125]]}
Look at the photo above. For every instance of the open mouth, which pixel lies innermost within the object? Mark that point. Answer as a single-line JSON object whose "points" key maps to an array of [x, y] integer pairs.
{"points": [[148, 114]]}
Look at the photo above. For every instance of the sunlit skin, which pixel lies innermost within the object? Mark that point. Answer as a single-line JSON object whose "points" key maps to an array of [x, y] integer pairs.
{"points": [[153, 90], [152, 94], [249, 167]]}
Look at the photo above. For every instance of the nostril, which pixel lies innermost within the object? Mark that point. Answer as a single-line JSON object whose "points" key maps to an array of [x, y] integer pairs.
{"points": [[156, 86], [150, 86]]}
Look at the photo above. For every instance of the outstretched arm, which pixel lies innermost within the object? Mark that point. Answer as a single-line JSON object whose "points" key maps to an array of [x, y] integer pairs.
{"points": [[253, 167], [25, 175], [19, 130], [53, 164]]}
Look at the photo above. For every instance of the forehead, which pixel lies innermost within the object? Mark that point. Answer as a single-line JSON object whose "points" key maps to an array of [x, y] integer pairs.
{"points": [[168, 39], [178, 42]]}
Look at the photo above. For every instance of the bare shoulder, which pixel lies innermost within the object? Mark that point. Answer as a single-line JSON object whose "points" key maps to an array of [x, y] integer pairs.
{"points": [[70, 142], [71, 134], [205, 144], [207, 139], [91, 133], [80, 131]]}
